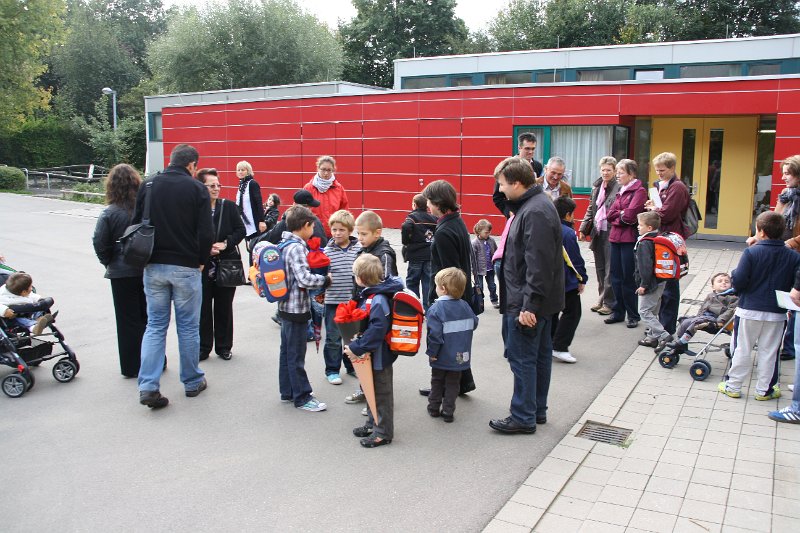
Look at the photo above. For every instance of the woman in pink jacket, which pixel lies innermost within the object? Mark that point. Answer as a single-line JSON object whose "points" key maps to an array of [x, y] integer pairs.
{"points": [[325, 188], [623, 235]]}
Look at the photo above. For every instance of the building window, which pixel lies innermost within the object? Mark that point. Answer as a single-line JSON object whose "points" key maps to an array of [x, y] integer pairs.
{"points": [[553, 76], [509, 78], [645, 75], [460, 81], [154, 125], [711, 71], [611, 74], [643, 132], [764, 69], [764, 161], [430, 82]]}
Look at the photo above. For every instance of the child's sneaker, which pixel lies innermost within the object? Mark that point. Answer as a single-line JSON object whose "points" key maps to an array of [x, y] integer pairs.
{"points": [[334, 379], [365, 412], [723, 388], [313, 405], [41, 323], [785, 415], [773, 394], [356, 397]]}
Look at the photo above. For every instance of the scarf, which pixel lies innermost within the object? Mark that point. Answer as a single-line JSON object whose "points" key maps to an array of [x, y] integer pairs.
{"points": [[789, 197], [630, 184], [321, 184], [600, 222], [243, 183]]}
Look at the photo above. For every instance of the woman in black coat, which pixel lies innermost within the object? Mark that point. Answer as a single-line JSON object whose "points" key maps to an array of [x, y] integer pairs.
{"points": [[216, 314], [127, 287], [248, 199], [450, 248]]}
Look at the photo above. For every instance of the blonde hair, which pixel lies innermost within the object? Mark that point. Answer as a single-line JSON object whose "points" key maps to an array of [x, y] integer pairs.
{"points": [[369, 269], [453, 280], [247, 166], [326, 159], [369, 220], [668, 159], [482, 225], [793, 163], [343, 217], [650, 218], [608, 160]]}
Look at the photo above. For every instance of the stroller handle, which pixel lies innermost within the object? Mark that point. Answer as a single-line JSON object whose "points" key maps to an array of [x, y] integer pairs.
{"points": [[42, 305]]}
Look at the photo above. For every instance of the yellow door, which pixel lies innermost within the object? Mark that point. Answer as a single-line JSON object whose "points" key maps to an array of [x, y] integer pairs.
{"points": [[716, 160]]}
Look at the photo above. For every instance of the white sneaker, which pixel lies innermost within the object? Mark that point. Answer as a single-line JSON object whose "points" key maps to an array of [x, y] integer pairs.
{"points": [[334, 379], [313, 405], [565, 357], [364, 412], [791, 387]]}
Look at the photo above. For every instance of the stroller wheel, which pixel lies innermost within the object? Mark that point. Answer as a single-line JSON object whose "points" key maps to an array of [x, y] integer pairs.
{"points": [[14, 385], [668, 359], [700, 370], [64, 371]]}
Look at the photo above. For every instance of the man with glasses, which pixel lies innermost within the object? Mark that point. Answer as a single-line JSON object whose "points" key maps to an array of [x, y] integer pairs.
{"points": [[526, 146], [180, 211]]}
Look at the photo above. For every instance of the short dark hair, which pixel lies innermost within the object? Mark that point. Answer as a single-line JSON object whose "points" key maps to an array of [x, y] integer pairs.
{"points": [[298, 216], [276, 200], [719, 275], [184, 154], [18, 282], [515, 170], [526, 137], [203, 172], [441, 194], [564, 206], [420, 202], [771, 223]]}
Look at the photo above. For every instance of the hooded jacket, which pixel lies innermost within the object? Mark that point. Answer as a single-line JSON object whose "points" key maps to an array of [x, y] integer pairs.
{"points": [[373, 338]]}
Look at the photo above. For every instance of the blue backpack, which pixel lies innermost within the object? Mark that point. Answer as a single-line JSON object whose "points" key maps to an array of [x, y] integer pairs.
{"points": [[268, 272]]}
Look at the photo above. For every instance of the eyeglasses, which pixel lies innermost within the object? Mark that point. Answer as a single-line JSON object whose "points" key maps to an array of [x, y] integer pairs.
{"points": [[213, 186]]}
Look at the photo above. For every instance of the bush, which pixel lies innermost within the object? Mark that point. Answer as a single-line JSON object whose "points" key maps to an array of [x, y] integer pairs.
{"points": [[12, 178], [45, 142], [89, 187]]}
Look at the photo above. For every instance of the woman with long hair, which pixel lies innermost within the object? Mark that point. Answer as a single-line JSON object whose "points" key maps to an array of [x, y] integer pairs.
{"points": [[216, 314], [326, 189], [127, 287]]}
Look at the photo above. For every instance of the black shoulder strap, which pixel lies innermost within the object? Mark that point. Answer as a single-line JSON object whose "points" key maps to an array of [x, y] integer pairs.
{"points": [[219, 220], [148, 191]]}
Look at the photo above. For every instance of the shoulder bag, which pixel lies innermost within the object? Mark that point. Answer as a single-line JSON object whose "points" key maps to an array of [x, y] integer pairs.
{"points": [[230, 272], [137, 240], [477, 297], [692, 217]]}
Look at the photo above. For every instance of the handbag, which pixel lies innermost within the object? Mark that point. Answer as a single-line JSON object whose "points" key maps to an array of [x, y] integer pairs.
{"points": [[477, 299], [692, 217], [230, 272], [138, 239]]}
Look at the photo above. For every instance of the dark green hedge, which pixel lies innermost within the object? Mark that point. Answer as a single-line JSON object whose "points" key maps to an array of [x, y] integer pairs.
{"points": [[46, 142], [12, 178]]}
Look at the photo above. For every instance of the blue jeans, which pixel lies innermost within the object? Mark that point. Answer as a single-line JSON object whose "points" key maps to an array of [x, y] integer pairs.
{"points": [[165, 285], [292, 378], [419, 271], [622, 266], [530, 355], [490, 284], [333, 344]]}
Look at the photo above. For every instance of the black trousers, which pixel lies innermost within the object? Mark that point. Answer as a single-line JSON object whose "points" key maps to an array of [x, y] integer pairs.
{"points": [[565, 325], [670, 300], [444, 390], [130, 311], [216, 318]]}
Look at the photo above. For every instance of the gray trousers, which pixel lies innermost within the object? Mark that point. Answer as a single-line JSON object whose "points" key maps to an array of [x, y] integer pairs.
{"points": [[384, 400], [745, 334], [602, 264], [649, 305]]}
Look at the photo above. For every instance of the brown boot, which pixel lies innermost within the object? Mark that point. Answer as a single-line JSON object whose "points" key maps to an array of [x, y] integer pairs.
{"points": [[41, 323]]}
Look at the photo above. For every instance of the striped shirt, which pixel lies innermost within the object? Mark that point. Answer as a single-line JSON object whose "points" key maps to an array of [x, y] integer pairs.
{"points": [[298, 276], [342, 259]]}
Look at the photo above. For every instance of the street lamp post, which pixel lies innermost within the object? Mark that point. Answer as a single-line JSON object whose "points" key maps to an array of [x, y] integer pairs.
{"points": [[113, 93]]}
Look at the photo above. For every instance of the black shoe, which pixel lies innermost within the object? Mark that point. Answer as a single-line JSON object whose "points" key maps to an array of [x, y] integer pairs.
{"points": [[203, 356], [447, 417], [425, 391], [362, 431], [631, 323], [373, 442], [662, 343], [200, 388], [677, 347], [612, 320], [509, 425], [541, 420], [434, 412], [225, 355], [649, 342], [469, 387], [153, 399], [787, 356]]}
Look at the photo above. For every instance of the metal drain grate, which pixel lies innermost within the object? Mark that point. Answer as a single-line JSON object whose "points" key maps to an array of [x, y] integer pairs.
{"points": [[600, 432]]}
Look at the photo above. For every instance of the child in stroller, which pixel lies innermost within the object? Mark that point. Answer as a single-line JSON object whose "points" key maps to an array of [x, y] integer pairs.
{"points": [[16, 292], [715, 312]]}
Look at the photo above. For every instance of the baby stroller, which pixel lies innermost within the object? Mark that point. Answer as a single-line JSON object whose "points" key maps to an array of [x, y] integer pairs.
{"points": [[20, 349], [701, 368]]}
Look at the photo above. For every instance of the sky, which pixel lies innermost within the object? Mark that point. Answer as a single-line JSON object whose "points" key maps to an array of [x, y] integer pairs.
{"points": [[476, 13]]}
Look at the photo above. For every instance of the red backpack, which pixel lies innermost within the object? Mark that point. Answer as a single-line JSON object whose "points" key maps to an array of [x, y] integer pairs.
{"points": [[405, 334], [671, 257]]}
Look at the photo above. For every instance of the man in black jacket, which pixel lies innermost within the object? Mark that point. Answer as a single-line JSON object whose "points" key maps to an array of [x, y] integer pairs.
{"points": [[180, 211], [416, 234], [531, 292]]}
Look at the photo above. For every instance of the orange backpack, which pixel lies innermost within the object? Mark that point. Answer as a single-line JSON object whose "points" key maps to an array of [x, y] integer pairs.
{"points": [[405, 334], [671, 257]]}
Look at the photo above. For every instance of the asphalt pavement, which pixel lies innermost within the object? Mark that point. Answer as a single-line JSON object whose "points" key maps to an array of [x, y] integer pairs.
{"points": [[85, 456]]}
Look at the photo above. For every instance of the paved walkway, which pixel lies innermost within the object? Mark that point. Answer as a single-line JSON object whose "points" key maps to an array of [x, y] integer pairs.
{"points": [[697, 461]]}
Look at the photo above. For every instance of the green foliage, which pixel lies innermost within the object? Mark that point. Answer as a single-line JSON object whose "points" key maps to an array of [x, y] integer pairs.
{"points": [[44, 142], [12, 179], [131, 134], [715, 19], [89, 187], [385, 30], [28, 31], [125, 145], [243, 43], [519, 26]]}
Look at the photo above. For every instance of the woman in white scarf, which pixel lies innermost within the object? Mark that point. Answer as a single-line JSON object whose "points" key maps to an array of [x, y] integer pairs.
{"points": [[325, 188]]}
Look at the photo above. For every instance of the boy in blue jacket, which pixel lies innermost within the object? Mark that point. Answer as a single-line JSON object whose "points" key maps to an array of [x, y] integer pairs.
{"points": [[376, 297], [566, 323], [765, 267], [450, 326]]}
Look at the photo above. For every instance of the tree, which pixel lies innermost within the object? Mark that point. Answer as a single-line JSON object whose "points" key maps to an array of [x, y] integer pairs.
{"points": [[28, 31], [244, 44], [717, 19], [385, 30], [519, 26]]}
